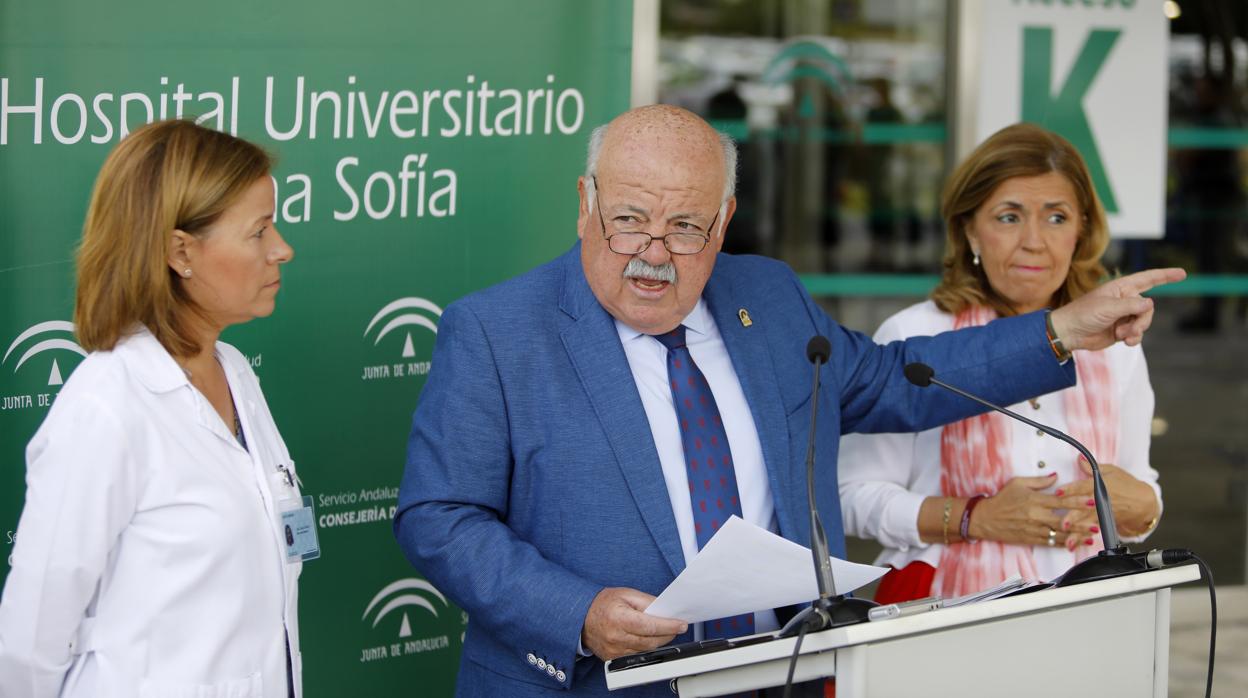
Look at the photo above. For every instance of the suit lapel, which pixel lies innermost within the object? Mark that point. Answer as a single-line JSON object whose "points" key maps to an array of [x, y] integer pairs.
{"points": [[594, 349], [752, 360]]}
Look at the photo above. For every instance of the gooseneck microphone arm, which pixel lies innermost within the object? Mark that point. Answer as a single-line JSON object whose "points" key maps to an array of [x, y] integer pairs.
{"points": [[1115, 559], [922, 375], [817, 351], [830, 609]]}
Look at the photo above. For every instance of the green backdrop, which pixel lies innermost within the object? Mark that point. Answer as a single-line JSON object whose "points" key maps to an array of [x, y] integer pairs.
{"points": [[426, 149]]}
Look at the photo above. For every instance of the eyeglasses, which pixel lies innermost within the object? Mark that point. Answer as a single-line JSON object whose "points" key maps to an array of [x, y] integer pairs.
{"points": [[634, 243]]}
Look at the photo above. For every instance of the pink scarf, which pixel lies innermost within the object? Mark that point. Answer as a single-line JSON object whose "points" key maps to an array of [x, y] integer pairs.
{"points": [[975, 459]]}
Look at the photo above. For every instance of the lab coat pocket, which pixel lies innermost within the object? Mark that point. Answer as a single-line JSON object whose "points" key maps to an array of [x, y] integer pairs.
{"points": [[249, 687]]}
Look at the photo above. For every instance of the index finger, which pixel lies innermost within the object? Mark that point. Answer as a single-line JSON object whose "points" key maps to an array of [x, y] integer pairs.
{"points": [[1047, 501], [1081, 488], [1142, 281]]}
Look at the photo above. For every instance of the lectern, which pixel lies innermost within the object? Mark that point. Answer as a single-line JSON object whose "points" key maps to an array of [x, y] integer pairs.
{"points": [[1109, 638]]}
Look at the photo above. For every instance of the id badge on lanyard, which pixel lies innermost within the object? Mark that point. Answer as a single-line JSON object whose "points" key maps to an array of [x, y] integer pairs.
{"points": [[298, 521]]}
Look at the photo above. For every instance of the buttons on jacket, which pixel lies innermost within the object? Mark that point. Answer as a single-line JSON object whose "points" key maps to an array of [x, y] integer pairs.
{"points": [[546, 667]]}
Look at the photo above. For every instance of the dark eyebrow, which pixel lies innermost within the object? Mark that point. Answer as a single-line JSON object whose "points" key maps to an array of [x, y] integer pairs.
{"points": [[1047, 204]]}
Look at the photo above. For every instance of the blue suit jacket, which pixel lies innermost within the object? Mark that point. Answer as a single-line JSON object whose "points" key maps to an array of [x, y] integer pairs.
{"points": [[533, 482]]}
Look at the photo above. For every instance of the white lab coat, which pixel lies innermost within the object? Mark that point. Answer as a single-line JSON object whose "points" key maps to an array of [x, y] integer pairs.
{"points": [[150, 555]]}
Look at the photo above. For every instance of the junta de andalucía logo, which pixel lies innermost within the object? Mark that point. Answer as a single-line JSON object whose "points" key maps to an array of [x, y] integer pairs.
{"points": [[401, 317], [53, 339]]}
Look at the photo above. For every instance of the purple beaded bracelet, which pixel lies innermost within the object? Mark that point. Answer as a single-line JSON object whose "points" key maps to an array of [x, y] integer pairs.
{"points": [[964, 528]]}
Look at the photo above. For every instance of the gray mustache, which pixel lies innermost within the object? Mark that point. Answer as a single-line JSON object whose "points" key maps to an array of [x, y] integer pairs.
{"points": [[639, 269]]}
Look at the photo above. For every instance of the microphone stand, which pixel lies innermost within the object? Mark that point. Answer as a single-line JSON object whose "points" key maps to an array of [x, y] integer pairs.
{"points": [[830, 610], [1115, 560]]}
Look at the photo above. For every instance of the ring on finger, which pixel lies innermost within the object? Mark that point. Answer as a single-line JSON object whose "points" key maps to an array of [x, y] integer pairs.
{"points": [[1052, 538]]}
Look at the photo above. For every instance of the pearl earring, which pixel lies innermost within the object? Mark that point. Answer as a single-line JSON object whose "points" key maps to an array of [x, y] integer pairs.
{"points": [[974, 261], [187, 272]]}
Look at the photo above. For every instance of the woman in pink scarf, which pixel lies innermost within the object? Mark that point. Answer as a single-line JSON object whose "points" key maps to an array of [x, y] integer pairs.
{"points": [[963, 507]]}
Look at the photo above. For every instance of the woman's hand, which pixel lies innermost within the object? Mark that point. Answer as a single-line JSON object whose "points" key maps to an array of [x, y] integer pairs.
{"points": [[1135, 504], [1018, 513]]}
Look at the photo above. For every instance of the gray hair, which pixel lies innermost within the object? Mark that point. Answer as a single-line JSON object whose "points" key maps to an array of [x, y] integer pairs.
{"points": [[726, 144]]}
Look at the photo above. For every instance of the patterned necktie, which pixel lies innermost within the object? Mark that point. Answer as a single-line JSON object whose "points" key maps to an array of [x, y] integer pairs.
{"points": [[708, 460]]}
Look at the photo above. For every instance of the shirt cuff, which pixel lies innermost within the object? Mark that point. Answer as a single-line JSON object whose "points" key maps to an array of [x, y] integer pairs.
{"points": [[899, 525]]}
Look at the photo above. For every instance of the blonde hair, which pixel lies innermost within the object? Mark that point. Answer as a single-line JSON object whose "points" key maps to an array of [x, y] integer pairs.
{"points": [[1021, 150], [164, 176]]}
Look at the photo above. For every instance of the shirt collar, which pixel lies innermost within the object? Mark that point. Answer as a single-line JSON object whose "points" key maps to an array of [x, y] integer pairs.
{"points": [[148, 360], [697, 321]]}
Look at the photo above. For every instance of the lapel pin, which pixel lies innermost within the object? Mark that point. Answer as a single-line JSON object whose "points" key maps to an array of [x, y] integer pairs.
{"points": [[745, 317]]}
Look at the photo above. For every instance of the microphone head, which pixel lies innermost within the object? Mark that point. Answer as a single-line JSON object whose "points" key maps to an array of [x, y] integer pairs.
{"points": [[818, 349], [920, 374]]}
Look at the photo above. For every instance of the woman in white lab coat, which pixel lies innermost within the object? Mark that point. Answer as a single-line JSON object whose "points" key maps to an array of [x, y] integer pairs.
{"points": [[151, 557]]}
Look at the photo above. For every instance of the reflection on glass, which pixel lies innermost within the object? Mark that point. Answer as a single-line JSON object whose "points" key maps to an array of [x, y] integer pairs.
{"points": [[839, 112]]}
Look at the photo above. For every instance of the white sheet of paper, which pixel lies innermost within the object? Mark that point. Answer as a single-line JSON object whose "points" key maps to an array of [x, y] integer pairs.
{"points": [[745, 568]]}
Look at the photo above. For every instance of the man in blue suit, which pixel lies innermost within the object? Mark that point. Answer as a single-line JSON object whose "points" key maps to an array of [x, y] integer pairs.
{"points": [[556, 478]]}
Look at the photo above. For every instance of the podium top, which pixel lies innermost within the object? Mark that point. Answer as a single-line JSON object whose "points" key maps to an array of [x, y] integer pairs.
{"points": [[937, 620]]}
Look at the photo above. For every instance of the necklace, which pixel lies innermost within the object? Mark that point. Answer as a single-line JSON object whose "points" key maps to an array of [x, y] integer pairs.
{"points": [[238, 424], [238, 429]]}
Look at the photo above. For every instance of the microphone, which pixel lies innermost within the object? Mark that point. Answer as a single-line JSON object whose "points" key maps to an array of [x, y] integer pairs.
{"points": [[1115, 560], [830, 610], [818, 349], [919, 374]]}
